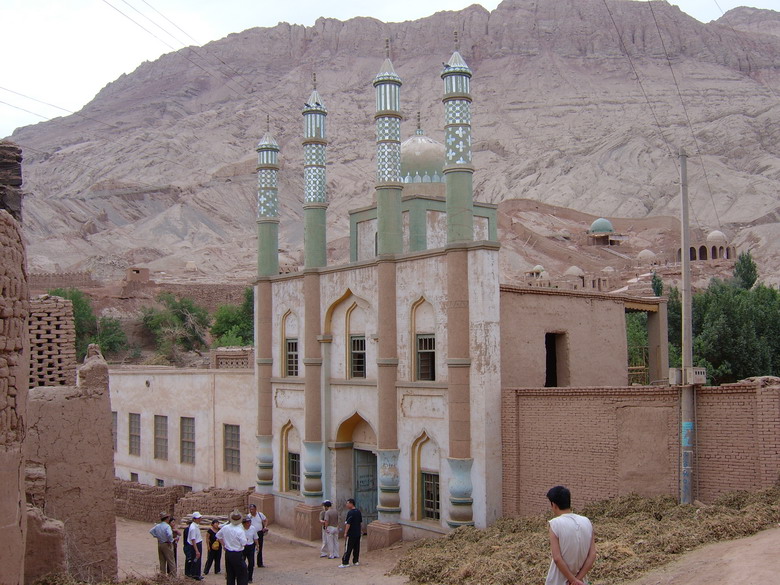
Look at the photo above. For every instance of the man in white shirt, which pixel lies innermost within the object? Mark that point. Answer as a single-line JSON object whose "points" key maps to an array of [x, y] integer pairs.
{"points": [[232, 537], [572, 542], [260, 522], [193, 548], [249, 547]]}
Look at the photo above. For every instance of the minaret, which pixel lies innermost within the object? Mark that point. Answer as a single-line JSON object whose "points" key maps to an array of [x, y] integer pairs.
{"points": [[315, 201], [388, 158], [267, 205], [458, 169], [267, 265]]}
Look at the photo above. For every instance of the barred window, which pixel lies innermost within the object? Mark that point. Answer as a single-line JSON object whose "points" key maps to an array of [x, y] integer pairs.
{"points": [[430, 495], [134, 477], [291, 357], [426, 357], [357, 356], [294, 471], [160, 437], [187, 439], [232, 447], [134, 433], [115, 428]]}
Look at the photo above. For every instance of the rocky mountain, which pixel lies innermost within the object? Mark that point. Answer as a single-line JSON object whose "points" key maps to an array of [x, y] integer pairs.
{"points": [[582, 104]]}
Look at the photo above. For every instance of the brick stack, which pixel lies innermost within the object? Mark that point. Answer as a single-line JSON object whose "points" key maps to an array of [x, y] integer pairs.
{"points": [[213, 502], [52, 342], [137, 501]]}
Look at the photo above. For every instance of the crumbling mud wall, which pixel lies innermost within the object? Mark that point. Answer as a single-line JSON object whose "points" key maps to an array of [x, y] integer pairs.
{"points": [[52, 330], [13, 390], [69, 451]]}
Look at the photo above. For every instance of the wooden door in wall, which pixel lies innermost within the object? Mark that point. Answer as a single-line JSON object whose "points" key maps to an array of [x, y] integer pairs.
{"points": [[365, 485]]}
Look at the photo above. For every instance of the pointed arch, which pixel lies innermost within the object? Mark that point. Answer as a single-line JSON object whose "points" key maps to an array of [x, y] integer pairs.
{"points": [[425, 472], [357, 430], [289, 364], [289, 458], [423, 336]]}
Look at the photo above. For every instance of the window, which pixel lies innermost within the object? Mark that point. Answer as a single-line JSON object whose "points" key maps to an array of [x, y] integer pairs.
{"points": [[426, 357], [187, 440], [232, 442], [160, 437], [115, 428], [430, 495], [357, 356], [557, 360], [134, 434], [134, 477], [294, 471], [159, 482], [291, 357]]}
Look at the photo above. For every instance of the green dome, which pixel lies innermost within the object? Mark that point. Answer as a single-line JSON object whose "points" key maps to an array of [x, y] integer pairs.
{"points": [[422, 160], [601, 226]]}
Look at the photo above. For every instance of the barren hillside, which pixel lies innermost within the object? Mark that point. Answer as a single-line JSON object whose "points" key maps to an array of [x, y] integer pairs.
{"points": [[577, 103]]}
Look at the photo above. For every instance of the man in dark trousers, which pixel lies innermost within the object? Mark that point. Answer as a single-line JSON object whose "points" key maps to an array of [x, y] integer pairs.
{"points": [[352, 531]]}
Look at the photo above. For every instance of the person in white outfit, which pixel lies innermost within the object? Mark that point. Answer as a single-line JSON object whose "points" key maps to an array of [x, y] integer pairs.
{"points": [[330, 526], [572, 542]]}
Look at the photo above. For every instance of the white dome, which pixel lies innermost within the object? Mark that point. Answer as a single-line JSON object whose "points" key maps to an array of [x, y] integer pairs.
{"points": [[574, 271], [646, 255], [538, 269], [608, 269], [717, 237]]}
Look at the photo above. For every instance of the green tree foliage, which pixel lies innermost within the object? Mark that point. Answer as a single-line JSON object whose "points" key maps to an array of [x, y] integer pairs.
{"points": [[636, 333], [179, 325], [745, 271], [234, 324], [107, 332], [657, 284]]}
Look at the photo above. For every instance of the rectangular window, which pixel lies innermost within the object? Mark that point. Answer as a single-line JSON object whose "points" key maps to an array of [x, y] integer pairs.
{"points": [[357, 356], [134, 477], [115, 428], [430, 496], [187, 440], [557, 360], [160, 437], [159, 482], [291, 357], [426, 357], [134, 433], [294, 471], [232, 442]]}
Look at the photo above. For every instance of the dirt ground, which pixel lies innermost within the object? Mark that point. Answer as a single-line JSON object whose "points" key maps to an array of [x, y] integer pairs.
{"points": [[290, 561]]}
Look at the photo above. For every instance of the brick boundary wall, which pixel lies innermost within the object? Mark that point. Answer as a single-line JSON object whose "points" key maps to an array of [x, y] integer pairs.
{"points": [[606, 442], [42, 282], [52, 331]]}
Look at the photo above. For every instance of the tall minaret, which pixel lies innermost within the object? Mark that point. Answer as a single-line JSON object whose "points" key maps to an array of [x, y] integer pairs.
{"points": [[388, 158], [267, 205], [315, 201], [458, 169], [267, 265]]}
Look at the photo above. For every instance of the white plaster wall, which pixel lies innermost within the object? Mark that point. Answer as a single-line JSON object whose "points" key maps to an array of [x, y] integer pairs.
{"points": [[436, 229], [485, 347], [211, 397], [366, 239]]}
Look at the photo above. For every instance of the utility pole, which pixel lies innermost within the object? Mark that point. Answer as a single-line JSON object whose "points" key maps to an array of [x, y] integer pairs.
{"points": [[687, 396]]}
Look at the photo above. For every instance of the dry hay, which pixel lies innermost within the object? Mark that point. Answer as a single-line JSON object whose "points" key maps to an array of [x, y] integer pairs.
{"points": [[633, 536], [64, 579]]}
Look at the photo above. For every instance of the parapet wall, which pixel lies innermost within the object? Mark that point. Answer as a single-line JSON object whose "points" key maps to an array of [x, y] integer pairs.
{"points": [[42, 282], [52, 333], [14, 307], [607, 442]]}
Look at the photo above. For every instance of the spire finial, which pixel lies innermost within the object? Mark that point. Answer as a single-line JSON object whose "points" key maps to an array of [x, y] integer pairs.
{"points": [[457, 44], [419, 127], [314, 80], [268, 123], [387, 48]]}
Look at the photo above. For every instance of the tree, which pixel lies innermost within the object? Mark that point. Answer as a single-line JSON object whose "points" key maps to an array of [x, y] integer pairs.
{"points": [[745, 271], [674, 326], [235, 324], [107, 332], [180, 324], [636, 336], [657, 284]]}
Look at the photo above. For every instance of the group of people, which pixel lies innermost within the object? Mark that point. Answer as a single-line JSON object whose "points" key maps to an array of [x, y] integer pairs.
{"points": [[572, 542], [241, 538]]}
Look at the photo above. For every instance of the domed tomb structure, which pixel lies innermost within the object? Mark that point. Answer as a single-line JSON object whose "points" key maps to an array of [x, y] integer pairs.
{"points": [[602, 233]]}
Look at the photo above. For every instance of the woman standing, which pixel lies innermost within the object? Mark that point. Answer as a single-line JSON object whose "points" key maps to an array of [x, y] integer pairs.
{"points": [[215, 550]]}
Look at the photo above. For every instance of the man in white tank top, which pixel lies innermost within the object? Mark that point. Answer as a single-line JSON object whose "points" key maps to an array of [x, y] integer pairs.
{"points": [[572, 542]]}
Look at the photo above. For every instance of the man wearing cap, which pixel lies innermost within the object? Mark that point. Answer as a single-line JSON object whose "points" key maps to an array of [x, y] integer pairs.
{"points": [[193, 549], [164, 535], [330, 530], [233, 539]]}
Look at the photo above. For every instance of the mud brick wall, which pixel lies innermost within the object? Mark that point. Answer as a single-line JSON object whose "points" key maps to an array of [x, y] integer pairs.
{"points": [[599, 442], [145, 503], [42, 282], [11, 179], [213, 502], [208, 296], [14, 307], [52, 334]]}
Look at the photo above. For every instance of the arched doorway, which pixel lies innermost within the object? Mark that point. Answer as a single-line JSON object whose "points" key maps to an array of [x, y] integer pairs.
{"points": [[356, 465]]}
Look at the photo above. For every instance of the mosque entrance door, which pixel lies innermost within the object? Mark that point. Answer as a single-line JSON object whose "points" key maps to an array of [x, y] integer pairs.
{"points": [[365, 485]]}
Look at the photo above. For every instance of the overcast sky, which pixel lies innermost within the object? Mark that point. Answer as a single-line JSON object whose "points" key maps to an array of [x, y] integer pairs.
{"points": [[64, 51]]}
